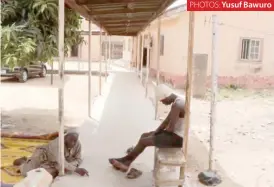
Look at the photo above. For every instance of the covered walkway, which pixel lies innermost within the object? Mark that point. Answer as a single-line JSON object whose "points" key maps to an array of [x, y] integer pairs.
{"points": [[126, 114]]}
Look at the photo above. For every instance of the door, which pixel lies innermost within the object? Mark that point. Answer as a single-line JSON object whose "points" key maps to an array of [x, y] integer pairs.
{"points": [[34, 68], [145, 57]]}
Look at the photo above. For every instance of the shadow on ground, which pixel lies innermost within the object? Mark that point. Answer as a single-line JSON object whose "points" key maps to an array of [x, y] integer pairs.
{"points": [[35, 81], [198, 160], [31, 121]]}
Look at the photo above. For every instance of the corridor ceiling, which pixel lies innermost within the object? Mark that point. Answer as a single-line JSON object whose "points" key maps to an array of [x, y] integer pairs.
{"points": [[120, 17]]}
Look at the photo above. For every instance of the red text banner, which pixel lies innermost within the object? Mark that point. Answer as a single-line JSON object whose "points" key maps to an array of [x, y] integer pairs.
{"points": [[230, 5]]}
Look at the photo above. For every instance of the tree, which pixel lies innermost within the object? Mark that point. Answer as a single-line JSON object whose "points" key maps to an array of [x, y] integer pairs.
{"points": [[30, 31]]}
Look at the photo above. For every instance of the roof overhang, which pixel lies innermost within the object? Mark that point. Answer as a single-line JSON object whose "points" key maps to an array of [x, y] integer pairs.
{"points": [[120, 17]]}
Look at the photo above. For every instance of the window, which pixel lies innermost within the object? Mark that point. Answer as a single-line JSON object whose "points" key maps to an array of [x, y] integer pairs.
{"points": [[162, 44], [251, 49], [74, 51]]}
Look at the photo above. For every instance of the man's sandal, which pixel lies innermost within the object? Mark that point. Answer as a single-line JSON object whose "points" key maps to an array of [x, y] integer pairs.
{"points": [[133, 173]]}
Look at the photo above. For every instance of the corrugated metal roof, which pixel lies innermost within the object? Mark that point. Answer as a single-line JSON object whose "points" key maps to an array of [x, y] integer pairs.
{"points": [[120, 17]]}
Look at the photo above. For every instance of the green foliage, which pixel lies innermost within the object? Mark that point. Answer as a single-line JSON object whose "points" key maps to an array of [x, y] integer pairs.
{"points": [[30, 31]]}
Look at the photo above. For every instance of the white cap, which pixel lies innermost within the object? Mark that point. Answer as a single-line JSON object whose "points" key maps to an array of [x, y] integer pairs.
{"points": [[162, 91]]}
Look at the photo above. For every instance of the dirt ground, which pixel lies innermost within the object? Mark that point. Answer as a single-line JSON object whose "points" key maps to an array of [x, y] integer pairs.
{"points": [[244, 143], [32, 107]]}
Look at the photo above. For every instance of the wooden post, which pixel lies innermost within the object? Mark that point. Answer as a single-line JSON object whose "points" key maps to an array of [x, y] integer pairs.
{"points": [[100, 63], [51, 74], [109, 49], [138, 54], [188, 86], [158, 63], [142, 59], [105, 54], [61, 39], [148, 60], [89, 68], [132, 54]]}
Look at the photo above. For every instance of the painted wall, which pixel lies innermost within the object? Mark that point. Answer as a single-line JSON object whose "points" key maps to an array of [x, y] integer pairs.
{"points": [[128, 49], [232, 26], [95, 44]]}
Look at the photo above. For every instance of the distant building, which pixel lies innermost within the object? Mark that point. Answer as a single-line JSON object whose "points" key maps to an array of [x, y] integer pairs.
{"points": [[245, 47], [80, 53]]}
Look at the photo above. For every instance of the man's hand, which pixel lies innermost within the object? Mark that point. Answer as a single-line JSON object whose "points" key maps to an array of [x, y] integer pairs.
{"points": [[169, 129], [168, 100], [81, 171]]}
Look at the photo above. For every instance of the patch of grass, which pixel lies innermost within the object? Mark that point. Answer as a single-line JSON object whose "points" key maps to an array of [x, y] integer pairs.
{"points": [[236, 93]]}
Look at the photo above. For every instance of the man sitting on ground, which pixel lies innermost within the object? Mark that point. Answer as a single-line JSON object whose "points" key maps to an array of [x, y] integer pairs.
{"points": [[47, 156], [168, 135]]}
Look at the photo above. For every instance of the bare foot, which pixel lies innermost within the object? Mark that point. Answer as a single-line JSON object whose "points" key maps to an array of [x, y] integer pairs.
{"points": [[119, 164]]}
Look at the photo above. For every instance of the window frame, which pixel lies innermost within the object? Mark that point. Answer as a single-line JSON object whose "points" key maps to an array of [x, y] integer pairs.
{"points": [[260, 49]]}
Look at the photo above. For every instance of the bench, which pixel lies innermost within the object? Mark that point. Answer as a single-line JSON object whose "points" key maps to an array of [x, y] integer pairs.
{"points": [[172, 157]]}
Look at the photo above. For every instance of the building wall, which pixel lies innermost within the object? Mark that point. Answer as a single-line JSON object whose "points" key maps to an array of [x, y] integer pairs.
{"points": [[232, 26], [95, 44], [128, 47]]}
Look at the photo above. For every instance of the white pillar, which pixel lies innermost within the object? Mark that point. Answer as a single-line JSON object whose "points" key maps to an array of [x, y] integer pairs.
{"points": [[148, 61], [61, 39], [158, 61], [109, 49], [89, 68], [100, 63], [214, 91]]}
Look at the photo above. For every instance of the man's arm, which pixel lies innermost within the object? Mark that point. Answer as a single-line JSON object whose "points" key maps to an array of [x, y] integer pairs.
{"points": [[53, 152], [164, 123], [176, 108], [169, 99], [78, 157]]}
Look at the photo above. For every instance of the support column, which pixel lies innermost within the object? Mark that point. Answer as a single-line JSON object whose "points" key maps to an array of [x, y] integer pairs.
{"points": [[61, 39], [109, 50], [188, 87], [136, 52], [210, 174], [138, 55], [89, 68], [100, 63], [158, 62], [51, 74], [142, 59], [148, 61], [106, 54]]}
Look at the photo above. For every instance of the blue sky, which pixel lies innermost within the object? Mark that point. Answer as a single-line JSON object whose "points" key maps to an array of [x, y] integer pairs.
{"points": [[177, 3]]}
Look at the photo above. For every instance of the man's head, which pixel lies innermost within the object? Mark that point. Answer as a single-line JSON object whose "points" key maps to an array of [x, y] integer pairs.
{"points": [[162, 91], [71, 138]]}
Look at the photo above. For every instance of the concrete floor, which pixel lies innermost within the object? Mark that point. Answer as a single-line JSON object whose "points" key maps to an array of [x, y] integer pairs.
{"points": [[122, 115]]}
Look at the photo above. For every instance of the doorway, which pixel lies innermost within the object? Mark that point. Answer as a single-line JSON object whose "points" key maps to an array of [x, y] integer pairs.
{"points": [[144, 57]]}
